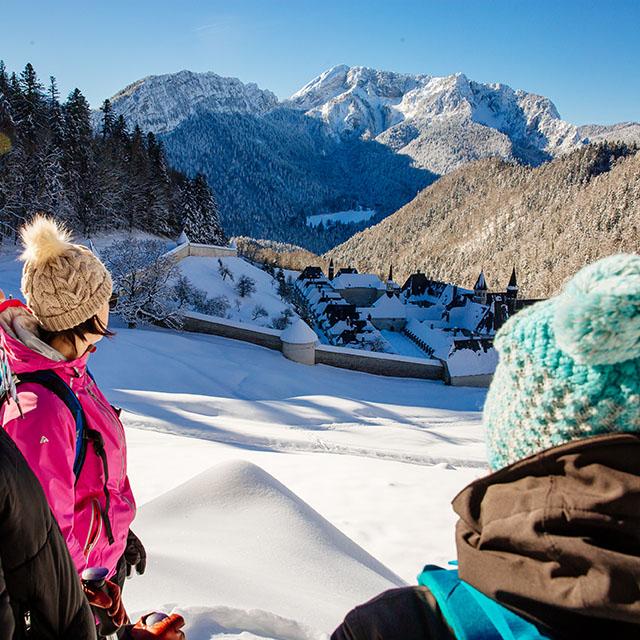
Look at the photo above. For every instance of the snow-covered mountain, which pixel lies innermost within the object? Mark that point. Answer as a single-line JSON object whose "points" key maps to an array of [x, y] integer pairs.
{"points": [[353, 138], [427, 117], [627, 132], [161, 103]]}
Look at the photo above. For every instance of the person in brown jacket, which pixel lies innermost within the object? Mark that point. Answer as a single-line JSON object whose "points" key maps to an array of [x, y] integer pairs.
{"points": [[552, 537]]}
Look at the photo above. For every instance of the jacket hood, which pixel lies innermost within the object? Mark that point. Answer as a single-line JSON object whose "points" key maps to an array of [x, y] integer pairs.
{"points": [[557, 536], [25, 351]]}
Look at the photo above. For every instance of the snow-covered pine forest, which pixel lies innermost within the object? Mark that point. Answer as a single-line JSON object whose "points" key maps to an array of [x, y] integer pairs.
{"points": [[52, 160]]}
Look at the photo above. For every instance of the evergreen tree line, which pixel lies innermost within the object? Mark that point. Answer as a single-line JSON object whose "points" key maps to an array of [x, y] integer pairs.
{"points": [[52, 160]]}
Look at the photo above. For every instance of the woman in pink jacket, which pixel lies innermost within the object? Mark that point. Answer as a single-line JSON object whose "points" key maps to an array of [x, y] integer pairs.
{"points": [[68, 290]]}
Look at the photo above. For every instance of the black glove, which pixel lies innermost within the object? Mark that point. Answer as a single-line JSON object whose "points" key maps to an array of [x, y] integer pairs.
{"points": [[134, 554]]}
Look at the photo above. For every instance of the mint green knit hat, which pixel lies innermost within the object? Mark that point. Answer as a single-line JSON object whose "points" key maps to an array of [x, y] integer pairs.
{"points": [[569, 366]]}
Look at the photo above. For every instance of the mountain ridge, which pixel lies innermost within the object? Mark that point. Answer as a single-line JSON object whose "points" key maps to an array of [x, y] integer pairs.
{"points": [[351, 138]]}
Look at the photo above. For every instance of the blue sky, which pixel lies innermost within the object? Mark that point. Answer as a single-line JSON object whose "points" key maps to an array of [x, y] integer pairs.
{"points": [[584, 55]]}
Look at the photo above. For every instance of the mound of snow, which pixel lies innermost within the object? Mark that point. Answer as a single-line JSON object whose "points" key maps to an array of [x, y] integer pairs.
{"points": [[234, 535], [209, 623]]}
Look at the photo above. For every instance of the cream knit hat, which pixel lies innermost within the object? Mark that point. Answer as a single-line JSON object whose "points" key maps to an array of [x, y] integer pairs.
{"points": [[63, 283]]}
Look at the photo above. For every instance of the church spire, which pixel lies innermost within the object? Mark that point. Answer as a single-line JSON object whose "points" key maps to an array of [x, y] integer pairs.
{"points": [[481, 283], [513, 284]]}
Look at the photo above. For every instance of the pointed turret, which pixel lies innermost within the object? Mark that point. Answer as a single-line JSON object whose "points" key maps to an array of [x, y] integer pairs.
{"points": [[513, 283], [480, 289], [390, 287], [481, 283]]}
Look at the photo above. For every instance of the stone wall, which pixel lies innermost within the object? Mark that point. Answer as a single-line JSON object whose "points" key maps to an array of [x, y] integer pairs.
{"points": [[187, 249], [382, 364], [261, 336]]}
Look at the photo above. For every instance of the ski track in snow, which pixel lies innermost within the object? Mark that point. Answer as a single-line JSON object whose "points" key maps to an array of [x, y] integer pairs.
{"points": [[317, 445]]}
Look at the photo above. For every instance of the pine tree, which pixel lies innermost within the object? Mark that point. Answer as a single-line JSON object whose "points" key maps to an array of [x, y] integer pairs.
{"points": [[202, 224], [79, 163], [108, 119]]}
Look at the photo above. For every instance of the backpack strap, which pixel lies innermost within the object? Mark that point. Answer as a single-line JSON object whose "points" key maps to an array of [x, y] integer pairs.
{"points": [[52, 381], [472, 615]]}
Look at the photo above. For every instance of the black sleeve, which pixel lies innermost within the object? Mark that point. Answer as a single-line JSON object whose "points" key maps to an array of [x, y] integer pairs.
{"points": [[408, 613], [37, 570], [60, 600], [7, 621]]}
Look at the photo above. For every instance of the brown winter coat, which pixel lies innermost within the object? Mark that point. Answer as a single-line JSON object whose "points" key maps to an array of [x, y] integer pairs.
{"points": [[555, 537]]}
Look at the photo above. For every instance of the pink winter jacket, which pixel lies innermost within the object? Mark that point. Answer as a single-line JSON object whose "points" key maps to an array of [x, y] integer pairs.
{"points": [[45, 433]]}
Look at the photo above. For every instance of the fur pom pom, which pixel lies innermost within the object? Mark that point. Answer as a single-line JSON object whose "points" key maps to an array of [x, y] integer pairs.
{"points": [[43, 240], [598, 314]]}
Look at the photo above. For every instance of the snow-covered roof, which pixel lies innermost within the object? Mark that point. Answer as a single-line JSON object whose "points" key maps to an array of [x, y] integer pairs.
{"points": [[440, 339], [388, 307], [434, 312], [468, 316], [467, 362], [339, 327], [299, 333], [357, 281]]}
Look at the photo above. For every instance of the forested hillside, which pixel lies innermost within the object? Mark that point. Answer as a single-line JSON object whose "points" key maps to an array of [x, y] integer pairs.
{"points": [[492, 215], [270, 171], [52, 161]]}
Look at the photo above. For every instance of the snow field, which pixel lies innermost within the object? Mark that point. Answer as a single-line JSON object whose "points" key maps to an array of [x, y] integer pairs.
{"points": [[346, 217], [357, 449], [272, 496]]}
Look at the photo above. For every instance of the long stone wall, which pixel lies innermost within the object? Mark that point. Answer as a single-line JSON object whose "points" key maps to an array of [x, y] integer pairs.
{"points": [[261, 336], [382, 364]]}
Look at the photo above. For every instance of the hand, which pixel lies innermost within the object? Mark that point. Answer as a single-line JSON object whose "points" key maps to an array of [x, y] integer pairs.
{"points": [[134, 554], [109, 599], [167, 629]]}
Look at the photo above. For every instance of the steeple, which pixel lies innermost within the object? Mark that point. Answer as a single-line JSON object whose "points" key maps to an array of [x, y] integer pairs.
{"points": [[480, 289], [331, 269], [481, 283], [513, 284], [390, 281], [512, 287]]}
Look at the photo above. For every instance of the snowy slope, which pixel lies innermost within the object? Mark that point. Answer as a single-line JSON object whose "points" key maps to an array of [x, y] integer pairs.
{"points": [[351, 485], [234, 535], [203, 273], [240, 401]]}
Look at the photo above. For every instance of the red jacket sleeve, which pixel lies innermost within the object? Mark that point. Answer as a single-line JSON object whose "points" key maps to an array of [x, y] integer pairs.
{"points": [[45, 434]]}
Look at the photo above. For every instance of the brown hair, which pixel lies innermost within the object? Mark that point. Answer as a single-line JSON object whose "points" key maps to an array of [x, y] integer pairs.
{"points": [[92, 325]]}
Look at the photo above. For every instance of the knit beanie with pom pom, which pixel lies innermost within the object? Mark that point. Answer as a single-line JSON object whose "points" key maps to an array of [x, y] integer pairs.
{"points": [[63, 283], [569, 366]]}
